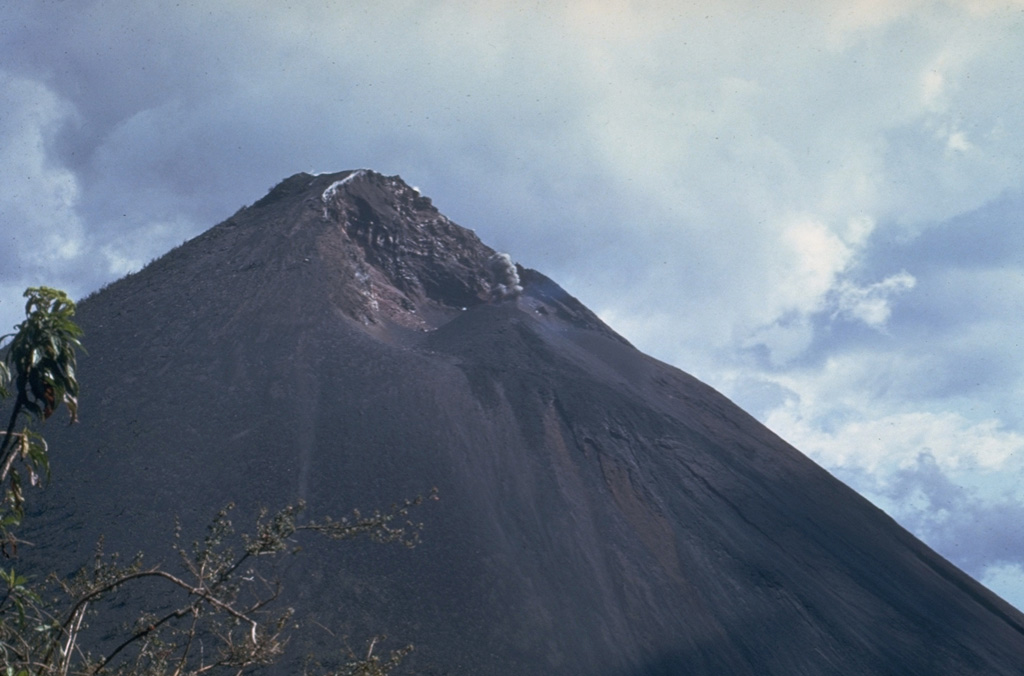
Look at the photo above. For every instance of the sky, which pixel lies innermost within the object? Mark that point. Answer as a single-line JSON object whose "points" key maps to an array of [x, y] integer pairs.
{"points": [[815, 207]]}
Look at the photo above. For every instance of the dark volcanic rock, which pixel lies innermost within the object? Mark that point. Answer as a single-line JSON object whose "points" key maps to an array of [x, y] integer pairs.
{"points": [[600, 513]]}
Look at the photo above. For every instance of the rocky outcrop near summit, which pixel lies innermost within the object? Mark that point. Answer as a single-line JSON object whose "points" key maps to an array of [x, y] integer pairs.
{"points": [[601, 513]]}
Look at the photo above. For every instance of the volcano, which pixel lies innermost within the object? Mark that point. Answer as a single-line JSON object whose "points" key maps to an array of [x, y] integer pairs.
{"points": [[600, 513]]}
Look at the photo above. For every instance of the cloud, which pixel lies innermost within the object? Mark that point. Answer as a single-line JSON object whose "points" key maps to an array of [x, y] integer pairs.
{"points": [[43, 234], [870, 304], [894, 442]]}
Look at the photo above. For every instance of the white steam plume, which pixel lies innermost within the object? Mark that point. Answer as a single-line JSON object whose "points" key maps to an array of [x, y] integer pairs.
{"points": [[504, 277]]}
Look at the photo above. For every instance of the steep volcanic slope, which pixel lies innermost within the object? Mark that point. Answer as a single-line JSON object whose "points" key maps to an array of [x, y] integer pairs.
{"points": [[601, 513]]}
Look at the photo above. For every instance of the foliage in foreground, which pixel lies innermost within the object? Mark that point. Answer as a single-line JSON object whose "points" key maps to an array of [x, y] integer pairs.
{"points": [[217, 612], [41, 361]]}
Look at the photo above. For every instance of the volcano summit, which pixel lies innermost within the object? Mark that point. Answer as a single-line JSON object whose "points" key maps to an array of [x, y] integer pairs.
{"points": [[601, 513]]}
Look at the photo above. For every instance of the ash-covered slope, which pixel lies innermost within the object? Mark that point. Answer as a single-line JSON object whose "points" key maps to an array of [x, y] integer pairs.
{"points": [[600, 513]]}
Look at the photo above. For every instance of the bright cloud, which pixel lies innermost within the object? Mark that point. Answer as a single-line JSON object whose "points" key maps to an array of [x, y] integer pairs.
{"points": [[896, 441], [871, 304]]}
